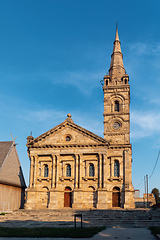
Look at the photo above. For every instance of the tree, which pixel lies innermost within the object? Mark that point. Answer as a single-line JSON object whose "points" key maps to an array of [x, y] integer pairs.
{"points": [[155, 192]]}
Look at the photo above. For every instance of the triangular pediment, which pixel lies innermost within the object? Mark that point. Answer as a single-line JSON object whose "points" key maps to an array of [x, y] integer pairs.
{"points": [[67, 133]]}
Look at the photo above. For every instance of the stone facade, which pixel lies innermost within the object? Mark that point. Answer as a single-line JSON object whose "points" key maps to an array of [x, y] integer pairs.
{"points": [[73, 167]]}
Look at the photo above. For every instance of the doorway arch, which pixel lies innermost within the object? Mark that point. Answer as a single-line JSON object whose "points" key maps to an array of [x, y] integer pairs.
{"points": [[67, 197], [116, 197]]}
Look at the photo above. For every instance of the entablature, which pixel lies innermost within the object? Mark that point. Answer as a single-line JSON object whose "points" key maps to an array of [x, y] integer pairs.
{"points": [[113, 114], [120, 146], [62, 146]]}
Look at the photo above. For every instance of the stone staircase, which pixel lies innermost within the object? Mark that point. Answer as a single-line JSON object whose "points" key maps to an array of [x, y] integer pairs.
{"points": [[65, 218]]}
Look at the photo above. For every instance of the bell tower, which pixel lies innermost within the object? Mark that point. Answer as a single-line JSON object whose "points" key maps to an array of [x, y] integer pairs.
{"points": [[116, 91], [117, 99]]}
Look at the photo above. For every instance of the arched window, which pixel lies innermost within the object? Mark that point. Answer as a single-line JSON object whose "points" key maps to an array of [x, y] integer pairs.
{"points": [[91, 170], [68, 170], [116, 106], [45, 170], [106, 82], [116, 168]]}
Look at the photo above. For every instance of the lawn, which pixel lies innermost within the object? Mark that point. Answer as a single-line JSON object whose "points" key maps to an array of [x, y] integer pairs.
{"points": [[48, 232]]}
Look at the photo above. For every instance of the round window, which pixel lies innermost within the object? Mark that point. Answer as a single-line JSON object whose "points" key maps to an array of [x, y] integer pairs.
{"points": [[116, 125], [68, 138]]}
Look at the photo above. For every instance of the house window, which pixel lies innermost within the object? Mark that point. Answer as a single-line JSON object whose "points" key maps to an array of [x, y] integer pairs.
{"points": [[116, 106], [68, 170], [46, 170], [116, 168], [91, 170]]}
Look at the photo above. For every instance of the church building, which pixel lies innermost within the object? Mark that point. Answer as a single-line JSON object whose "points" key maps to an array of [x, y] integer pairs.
{"points": [[73, 167]]}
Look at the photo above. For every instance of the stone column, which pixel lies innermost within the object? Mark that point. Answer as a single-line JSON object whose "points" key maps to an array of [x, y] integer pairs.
{"points": [[126, 162], [35, 170], [128, 190], [121, 168], [31, 171], [76, 171], [112, 166], [106, 170], [100, 170], [85, 168], [53, 171], [102, 193], [102, 164], [57, 170], [77, 196], [81, 170]]}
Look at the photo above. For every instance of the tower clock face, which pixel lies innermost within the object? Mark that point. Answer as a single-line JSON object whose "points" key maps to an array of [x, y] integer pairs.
{"points": [[116, 125]]}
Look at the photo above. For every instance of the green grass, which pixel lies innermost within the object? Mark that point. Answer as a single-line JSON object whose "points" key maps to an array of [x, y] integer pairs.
{"points": [[2, 213], [155, 230], [48, 232]]}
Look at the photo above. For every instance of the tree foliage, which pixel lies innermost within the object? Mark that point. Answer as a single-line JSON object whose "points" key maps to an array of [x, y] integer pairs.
{"points": [[155, 192]]}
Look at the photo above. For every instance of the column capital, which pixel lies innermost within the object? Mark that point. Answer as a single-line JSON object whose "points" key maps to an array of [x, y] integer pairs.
{"points": [[34, 155], [57, 156]]}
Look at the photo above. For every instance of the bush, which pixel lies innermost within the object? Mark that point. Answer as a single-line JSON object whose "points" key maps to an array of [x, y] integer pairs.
{"points": [[2, 213]]}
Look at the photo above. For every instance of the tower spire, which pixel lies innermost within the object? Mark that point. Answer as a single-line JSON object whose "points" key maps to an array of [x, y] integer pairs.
{"points": [[117, 69], [116, 25]]}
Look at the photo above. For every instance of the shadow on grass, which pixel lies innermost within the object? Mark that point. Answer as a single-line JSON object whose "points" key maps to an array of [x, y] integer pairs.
{"points": [[155, 230], [50, 232]]}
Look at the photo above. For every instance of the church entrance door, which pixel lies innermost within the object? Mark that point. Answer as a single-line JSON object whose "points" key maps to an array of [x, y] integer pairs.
{"points": [[67, 197], [116, 197]]}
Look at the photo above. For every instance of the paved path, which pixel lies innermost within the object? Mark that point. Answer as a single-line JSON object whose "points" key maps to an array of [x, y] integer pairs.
{"points": [[108, 234]]}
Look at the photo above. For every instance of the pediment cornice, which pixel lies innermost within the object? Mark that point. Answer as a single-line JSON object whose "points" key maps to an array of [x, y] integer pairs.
{"points": [[62, 146], [38, 142]]}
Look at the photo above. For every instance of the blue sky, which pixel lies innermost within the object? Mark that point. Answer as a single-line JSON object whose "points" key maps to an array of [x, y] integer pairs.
{"points": [[53, 55]]}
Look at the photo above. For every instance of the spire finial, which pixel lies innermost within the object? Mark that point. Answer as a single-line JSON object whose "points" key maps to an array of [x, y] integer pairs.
{"points": [[116, 67], [69, 115], [69, 119], [116, 25]]}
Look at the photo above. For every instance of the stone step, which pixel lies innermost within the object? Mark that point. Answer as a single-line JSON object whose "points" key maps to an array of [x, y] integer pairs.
{"points": [[65, 217]]}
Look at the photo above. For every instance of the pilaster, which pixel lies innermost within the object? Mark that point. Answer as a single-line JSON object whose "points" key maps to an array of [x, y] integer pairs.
{"points": [[31, 171], [57, 170], [35, 170], [76, 171], [53, 171], [100, 156], [81, 164]]}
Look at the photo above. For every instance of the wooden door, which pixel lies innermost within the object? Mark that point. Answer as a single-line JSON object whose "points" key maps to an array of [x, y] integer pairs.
{"points": [[116, 199], [67, 199]]}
